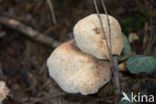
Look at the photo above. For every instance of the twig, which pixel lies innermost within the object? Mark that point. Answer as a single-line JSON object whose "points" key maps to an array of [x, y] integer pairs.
{"points": [[152, 37], [115, 69], [145, 38], [103, 31], [110, 35], [28, 31], [116, 80], [113, 60], [50, 4]]}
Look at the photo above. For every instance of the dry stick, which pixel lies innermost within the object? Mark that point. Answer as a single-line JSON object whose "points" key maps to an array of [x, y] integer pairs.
{"points": [[103, 31], [116, 80], [145, 36], [113, 60], [116, 77], [152, 38], [110, 35], [28, 31], [50, 4], [152, 41]]}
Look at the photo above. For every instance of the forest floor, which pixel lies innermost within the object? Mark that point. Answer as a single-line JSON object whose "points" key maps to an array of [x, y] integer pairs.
{"points": [[23, 59]]}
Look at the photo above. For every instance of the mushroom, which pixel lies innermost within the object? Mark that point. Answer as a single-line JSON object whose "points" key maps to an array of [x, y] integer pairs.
{"points": [[4, 91], [89, 36], [76, 71]]}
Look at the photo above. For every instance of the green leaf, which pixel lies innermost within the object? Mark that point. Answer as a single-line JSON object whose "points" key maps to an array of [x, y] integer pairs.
{"points": [[126, 52], [141, 64]]}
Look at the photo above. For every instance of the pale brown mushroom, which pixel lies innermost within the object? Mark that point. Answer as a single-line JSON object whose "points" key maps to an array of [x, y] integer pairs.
{"points": [[76, 71], [90, 39]]}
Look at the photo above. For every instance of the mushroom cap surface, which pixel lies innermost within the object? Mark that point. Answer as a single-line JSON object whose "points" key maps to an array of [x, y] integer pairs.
{"points": [[77, 72], [4, 91], [90, 38]]}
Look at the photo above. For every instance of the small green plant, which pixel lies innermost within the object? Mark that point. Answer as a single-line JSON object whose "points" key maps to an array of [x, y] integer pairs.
{"points": [[137, 63], [141, 64]]}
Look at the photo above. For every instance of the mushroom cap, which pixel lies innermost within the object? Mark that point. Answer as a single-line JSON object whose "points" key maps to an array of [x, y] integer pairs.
{"points": [[90, 39], [4, 91], [77, 72]]}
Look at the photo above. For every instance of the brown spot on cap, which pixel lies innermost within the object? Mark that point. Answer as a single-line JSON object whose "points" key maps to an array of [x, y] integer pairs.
{"points": [[97, 30]]}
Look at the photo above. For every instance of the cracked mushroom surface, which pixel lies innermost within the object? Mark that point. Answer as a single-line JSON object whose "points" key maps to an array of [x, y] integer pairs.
{"points": [[77, 72], [90, 38]]}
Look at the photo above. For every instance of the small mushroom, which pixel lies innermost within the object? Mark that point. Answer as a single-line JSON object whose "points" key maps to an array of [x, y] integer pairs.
{"points": [[90, 39], [76, 71], [4, 91]]}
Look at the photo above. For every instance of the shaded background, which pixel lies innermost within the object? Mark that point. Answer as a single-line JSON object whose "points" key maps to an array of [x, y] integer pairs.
{"points": [[23, 60]]}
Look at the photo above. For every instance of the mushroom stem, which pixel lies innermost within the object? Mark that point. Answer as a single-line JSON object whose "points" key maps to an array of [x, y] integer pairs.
{"points": [[116, 79]]}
